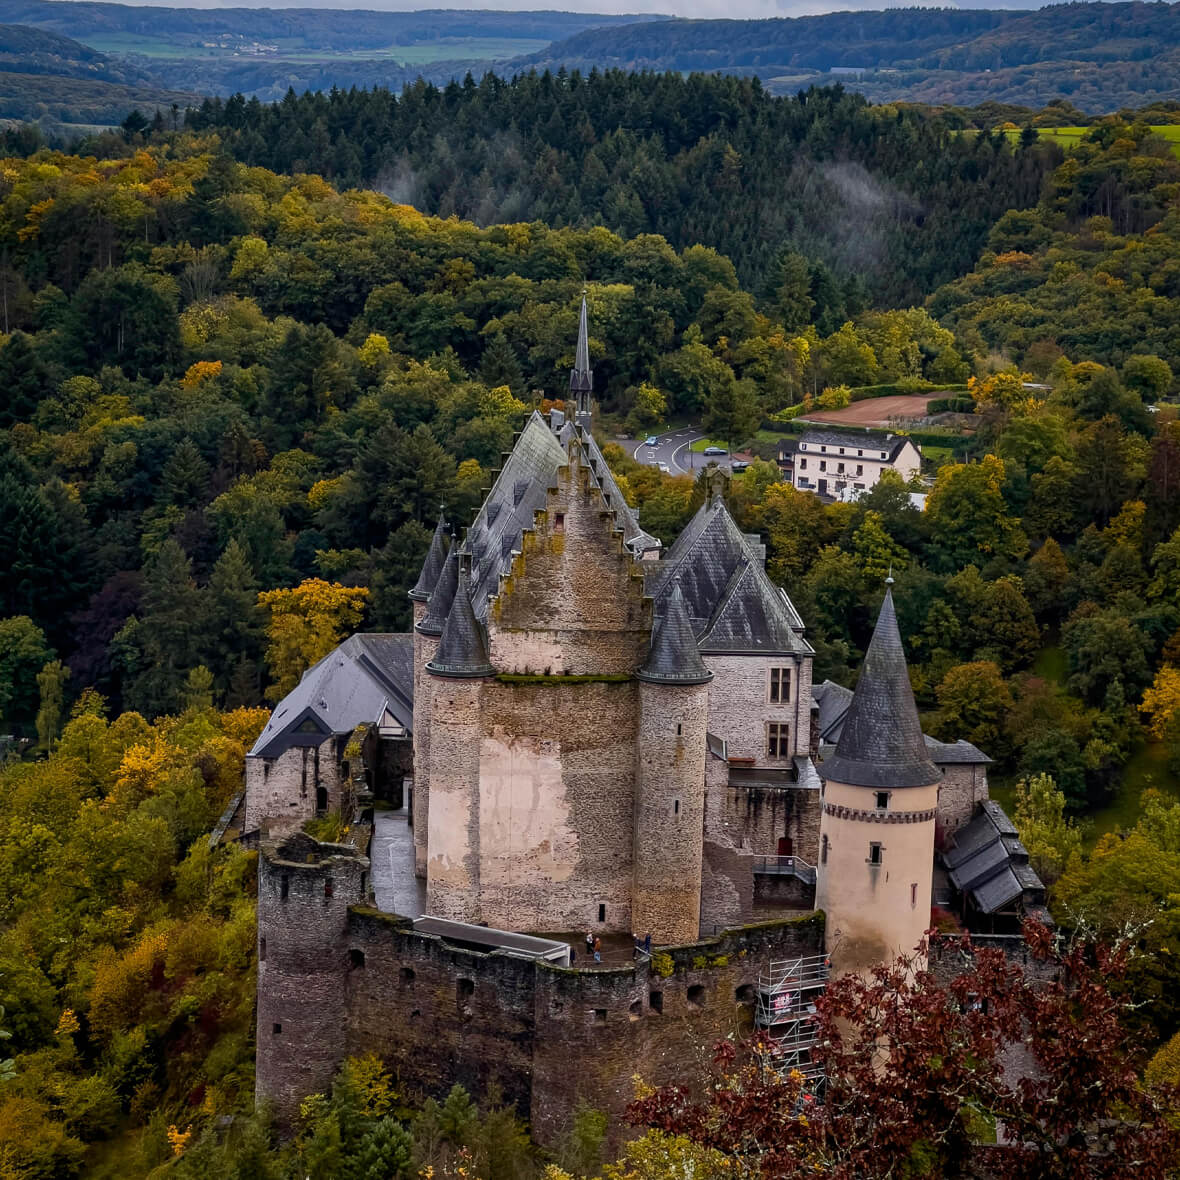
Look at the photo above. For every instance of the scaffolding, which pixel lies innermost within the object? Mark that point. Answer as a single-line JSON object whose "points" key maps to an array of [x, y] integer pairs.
{"points": [[785, 1011]]}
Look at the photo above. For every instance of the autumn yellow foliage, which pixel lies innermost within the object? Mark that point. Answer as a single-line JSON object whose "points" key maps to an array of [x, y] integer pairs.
{"points": [[305, 624]]}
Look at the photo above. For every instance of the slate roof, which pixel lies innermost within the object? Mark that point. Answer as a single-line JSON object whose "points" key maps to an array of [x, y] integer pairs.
{"points": [[438, 605], [674, 657], [581, 375], [432, 566], [832, 701], [463, 648], [519, 491], [732, 604], [881, 742], [353, 684], [988, 863], [855, 441]]}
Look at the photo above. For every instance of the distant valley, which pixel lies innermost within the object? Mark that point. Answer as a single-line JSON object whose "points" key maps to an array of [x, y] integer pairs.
{"points": [[90, 63]]}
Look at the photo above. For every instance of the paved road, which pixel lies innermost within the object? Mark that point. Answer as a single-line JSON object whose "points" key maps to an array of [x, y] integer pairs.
{"points": [[391, 856], [672, 450]]}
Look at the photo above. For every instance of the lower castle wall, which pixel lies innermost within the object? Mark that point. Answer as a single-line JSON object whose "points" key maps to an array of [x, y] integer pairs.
{"points": [[343, 981], [756, 818]]}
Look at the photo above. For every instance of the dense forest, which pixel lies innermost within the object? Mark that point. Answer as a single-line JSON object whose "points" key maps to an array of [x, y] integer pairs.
{"points": [[236, 396], [891, 196]]}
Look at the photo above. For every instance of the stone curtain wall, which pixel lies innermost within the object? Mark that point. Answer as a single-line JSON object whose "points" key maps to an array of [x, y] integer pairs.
{"points": [[343, 979]]}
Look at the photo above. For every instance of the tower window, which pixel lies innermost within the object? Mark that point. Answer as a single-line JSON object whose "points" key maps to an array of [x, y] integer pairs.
{"points": [[780, 685], [823, 851], [262, 950], [276, 1028], [284, 887], [679, 728], [559, 522], [356, 957], [778, 739], [882, 800], [329, 887], [875, 854], [914, 895], [676, 807], [655, 1001], [602, 911]]}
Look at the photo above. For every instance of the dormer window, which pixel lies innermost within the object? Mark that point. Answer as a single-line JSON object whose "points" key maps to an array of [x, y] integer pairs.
{"points": [[883, 455], [841, 450], [824, 449]]}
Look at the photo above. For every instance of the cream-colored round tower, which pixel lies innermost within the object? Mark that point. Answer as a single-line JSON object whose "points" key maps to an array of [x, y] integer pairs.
{"points": [[670, 782], [880, 799]]}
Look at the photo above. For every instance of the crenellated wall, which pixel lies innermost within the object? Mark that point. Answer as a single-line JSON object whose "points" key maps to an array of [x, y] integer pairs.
{"points": [[343, 979]]}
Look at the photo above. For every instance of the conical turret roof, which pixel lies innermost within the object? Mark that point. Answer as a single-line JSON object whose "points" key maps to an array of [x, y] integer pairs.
{"points": [[881, 744], [463, 649], [432, 566], [443, 595], [674, 657], [581, 375]]}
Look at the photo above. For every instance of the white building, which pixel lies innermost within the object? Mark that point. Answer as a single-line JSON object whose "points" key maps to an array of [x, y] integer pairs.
{"points": [[833, 462]]}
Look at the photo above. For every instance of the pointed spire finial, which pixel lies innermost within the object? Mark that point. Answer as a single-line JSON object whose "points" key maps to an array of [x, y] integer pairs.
{"points": [[581, 375], [889, 579]]}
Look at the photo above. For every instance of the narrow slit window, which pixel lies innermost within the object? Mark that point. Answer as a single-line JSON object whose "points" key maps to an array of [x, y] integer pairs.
{"points": [[284, 887], [914, 895], [676, 807], [602, 911], [823, 851], [559, 522]]}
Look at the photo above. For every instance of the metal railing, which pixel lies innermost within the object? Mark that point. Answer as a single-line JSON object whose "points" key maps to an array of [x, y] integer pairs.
{"points": [[785, 866]]}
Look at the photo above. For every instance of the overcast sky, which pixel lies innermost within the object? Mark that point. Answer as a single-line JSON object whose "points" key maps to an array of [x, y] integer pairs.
{"points": [[692, 8]]}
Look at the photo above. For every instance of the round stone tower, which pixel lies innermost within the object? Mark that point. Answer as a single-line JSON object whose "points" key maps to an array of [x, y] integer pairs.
{"points": [[428, 627], [454, 682], [670, 782], [879, 804]]}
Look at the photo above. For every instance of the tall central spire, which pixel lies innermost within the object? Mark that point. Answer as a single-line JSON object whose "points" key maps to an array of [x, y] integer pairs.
{"points": [[581, 375]]}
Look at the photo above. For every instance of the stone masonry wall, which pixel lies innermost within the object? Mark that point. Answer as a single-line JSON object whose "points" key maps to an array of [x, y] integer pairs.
{"points": [[282, 790], [963, 787], [425, 647], [304, 891], [740, 707], [338, 979], [556, 803], [573, 603], [669, 811]]}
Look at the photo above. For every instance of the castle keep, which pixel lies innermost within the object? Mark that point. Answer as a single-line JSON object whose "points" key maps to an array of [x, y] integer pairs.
{"points": [[587, 733]]}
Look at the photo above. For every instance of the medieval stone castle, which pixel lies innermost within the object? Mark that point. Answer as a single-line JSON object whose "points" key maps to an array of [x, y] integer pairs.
{"points": [[587, 734]]}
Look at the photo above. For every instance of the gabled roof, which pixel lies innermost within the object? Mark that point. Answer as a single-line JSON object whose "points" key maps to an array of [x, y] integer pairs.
{"points": [[891, 444], [356, 683], [732, 604], [881, 742], [519, 491]]}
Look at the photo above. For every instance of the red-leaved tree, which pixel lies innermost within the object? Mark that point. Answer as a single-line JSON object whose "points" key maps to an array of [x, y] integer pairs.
{"points": [[1012, 1071]]}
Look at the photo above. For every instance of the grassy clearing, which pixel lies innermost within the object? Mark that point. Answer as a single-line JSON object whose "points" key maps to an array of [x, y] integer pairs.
{"points": [[1148, 767], [1050, 664], [1070, 137]]}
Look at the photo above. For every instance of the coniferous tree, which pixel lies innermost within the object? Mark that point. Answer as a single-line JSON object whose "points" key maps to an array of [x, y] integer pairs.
{"points": [[499, 365], [233, 624]]}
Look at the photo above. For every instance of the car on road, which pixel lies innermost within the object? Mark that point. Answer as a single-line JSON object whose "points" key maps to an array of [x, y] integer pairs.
{"points": [[664, 468], [651, 441], [738, 466], [716, 451]]}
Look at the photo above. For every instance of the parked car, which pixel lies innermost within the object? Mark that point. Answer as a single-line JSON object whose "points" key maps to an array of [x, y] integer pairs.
{"points": [[716, 451], [651, 441], [738, 466]]}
